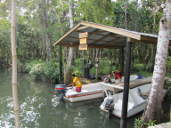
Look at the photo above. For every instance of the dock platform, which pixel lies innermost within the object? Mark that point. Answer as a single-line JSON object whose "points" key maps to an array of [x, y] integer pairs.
{"points": [[163, 125]]}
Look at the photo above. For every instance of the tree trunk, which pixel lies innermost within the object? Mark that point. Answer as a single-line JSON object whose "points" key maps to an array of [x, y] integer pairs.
{"points": [[126, 14], [154, 106], [70, 58], [14, 64], [46, 39]]}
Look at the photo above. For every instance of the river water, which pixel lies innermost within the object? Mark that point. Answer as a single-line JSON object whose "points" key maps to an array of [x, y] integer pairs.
{"points": [[40, 109]]}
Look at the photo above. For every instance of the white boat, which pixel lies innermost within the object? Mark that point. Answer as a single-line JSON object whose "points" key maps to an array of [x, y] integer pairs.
{"points": [[88, 92], [137, 102], [91, 91]]}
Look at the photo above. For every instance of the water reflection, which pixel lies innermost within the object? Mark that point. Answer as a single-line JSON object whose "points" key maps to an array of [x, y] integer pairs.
{"points": [[39, 108]]}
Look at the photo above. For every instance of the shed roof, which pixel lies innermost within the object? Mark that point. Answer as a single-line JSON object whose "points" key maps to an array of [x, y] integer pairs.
{"points": [[102, 36]]}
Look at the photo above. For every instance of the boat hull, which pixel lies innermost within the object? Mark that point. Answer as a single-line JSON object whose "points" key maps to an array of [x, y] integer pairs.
{"points": [[136, 103], [84, 97], [88, 92]]}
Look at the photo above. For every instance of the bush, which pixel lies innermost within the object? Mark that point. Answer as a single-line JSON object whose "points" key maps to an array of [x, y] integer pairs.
{"points": [[139, 67], [104, 67], [29, 65], [139, 123], [51, 70], [43, 70], [78, 66]]}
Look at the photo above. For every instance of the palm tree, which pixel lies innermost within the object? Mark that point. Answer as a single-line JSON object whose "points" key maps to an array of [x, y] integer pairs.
{"points": [[154, 106]]}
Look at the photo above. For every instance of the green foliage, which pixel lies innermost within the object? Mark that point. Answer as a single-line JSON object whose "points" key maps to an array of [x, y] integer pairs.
{"points": [[139, 67], [99, 11], [78, 66], [43, 70], [29, 65], [105, 67], [30, 44], [139, 123], [51, 70], [169, 64]]}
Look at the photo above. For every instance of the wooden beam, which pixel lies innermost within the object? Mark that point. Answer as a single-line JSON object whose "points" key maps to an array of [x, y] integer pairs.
{"points": [[149, 39], [82, 28], [115, 30], [60, 64], [76, 38], [74, 44], [121, 60], [69, 32], [114, 42]]}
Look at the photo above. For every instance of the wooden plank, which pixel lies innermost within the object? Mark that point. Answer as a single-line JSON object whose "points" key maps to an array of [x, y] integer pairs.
{"points": [[83, 35], [83, 41], [120, 86]]}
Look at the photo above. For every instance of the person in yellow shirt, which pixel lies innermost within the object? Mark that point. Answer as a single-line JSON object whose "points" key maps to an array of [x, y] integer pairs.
{"points": [[77, 83]]}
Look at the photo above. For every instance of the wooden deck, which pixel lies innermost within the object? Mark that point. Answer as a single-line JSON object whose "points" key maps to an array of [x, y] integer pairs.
{"points": [[133, 84], [163, 125]]}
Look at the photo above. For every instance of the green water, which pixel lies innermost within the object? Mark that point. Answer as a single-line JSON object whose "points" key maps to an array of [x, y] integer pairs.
{"points": [[40, 109]]}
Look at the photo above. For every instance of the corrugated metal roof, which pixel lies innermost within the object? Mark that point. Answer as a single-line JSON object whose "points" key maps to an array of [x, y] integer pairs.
{"points": [[102, 36]]}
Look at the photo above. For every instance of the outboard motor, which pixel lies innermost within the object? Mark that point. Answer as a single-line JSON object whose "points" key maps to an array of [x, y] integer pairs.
{"points": [[60, 90], [109, 104]]}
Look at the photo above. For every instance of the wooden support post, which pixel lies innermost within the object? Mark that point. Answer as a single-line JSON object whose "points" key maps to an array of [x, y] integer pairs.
{"points": [[123, 122], [60, 64], [122, 60]]}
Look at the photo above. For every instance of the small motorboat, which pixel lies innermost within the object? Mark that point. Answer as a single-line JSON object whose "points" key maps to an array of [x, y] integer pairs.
{"points": [[89, 91], [138, 98]]}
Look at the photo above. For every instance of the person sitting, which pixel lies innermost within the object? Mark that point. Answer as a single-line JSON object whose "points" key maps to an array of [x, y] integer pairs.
{"points": [[117, 76], [76, 82], [107, 79]]}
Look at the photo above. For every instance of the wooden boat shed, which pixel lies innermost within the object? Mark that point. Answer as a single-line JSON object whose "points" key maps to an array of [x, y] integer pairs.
{"points": [[102, 36]]}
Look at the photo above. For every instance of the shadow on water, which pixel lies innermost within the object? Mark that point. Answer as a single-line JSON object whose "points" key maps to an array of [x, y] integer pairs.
{"points": [[39, 108]]}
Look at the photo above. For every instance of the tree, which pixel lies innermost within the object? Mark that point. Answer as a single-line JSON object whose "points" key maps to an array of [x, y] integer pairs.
{"points": [[154, 106], [44, 21], [70, 58], [14, 64]]}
